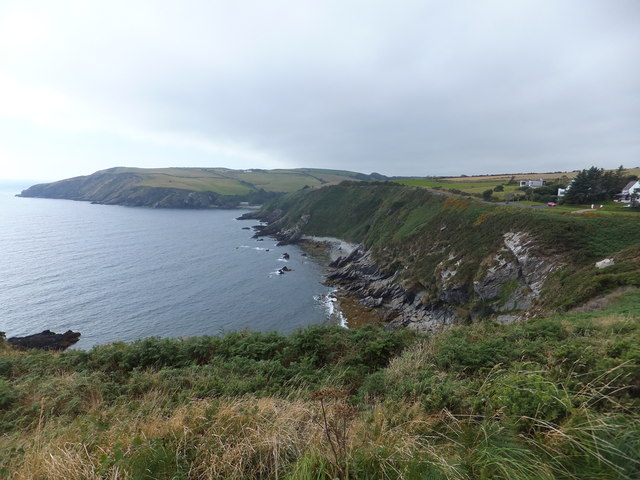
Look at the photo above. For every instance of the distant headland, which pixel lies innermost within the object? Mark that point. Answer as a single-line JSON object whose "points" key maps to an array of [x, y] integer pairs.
{"points": [[190, 188]]}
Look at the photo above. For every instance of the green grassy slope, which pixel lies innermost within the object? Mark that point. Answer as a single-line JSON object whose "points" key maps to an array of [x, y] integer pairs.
{"points": [[554, 398], [412, 230]]}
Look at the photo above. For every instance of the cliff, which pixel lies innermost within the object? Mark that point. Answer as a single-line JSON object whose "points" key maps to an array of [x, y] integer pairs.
{"points": [[429, 261], [186, 187], [550, 398]]}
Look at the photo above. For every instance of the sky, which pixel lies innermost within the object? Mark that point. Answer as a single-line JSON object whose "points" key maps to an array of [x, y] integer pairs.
{"points": [[433, 87]]}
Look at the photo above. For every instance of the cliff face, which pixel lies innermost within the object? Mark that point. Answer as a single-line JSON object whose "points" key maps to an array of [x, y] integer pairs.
{"points": [[508, 284], [427, 262], [99, 187], [123, 189]]}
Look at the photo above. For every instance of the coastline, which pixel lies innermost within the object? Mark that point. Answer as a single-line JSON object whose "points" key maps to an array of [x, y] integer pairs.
{"points": [[363, 294], [343, 305]]}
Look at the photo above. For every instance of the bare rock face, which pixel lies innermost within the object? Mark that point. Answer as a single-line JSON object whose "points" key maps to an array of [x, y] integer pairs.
{"points": [[46, 340], [359, 275], [607, 262], [516, 274], [509, 282]]}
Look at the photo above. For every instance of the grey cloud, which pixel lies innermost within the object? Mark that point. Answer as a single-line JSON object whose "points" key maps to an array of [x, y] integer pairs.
{"points": [[432, 87]]}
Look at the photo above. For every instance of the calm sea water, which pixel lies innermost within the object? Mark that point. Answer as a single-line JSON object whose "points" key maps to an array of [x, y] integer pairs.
{"points": [[117, 273]]}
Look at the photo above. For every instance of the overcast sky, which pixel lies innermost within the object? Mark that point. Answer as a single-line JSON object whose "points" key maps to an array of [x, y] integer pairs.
{"points": [[399, 87]]}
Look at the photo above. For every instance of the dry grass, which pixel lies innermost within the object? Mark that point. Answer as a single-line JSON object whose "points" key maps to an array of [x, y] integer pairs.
{"points": [[276, 438], [231, 438]]}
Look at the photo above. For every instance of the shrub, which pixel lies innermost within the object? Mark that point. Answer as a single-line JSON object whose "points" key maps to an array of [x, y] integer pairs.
{"points": [[7, 395], [527, 397]]}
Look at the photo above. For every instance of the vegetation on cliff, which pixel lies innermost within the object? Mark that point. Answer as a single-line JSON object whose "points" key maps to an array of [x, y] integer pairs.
{"points": [[434, 241], [555, 398]]}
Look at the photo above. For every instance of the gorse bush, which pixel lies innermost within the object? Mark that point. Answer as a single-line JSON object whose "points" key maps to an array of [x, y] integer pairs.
{"points": [[7, 395]]}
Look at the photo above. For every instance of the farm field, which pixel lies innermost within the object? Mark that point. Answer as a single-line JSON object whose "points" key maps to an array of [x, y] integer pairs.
{"points": [[473, 187], [234, 182], [476, 185]]}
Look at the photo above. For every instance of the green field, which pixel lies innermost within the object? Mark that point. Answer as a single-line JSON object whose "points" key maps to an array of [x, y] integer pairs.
{"points": [[234, 182], [473, 187], [476, 185]]}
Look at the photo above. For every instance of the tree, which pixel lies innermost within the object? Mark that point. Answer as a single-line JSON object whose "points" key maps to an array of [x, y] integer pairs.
{"points": [[487, 194], [614, 181], [498, 188], [587, 187], [546, 193]]}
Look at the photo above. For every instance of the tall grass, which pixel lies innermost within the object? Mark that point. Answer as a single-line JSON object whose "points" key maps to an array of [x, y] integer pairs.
{"points": [[553, 398]]}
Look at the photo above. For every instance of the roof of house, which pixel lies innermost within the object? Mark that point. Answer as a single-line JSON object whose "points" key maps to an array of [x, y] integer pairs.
{"points": [[630, 185]]}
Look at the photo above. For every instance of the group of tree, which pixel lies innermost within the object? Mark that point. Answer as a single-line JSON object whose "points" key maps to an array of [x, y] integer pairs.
{"points": [[595, 185], [589, 186]]}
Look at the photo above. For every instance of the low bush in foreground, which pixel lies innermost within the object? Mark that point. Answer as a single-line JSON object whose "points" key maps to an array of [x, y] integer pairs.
{"points": [[555, 398]]}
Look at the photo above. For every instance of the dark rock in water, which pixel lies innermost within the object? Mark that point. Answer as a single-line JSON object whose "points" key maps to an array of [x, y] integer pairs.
{"points": [[46, 340], [285, 256], [246, 228], [304, 254], [283, 270], [260, 240], [268, 217]]}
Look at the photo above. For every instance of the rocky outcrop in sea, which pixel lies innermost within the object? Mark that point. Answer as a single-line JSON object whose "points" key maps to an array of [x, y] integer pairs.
{"points": [[46, 340]]}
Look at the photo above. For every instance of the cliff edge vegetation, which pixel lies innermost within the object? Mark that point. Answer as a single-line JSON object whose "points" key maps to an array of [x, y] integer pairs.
{"points": [[550, 398], [429, 260]]}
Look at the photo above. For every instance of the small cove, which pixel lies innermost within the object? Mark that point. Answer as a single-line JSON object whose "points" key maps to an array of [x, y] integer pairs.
{"points": [[120, 274]]}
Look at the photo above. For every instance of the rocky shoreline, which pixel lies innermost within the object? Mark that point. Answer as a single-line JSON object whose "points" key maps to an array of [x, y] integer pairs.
{"points": [[364, 293], [507, 282], [358, 276]]}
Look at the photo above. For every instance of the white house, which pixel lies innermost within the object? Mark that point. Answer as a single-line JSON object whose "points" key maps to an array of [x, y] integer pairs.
{"points": [[631, 188], [532, 183], [562, 191]]}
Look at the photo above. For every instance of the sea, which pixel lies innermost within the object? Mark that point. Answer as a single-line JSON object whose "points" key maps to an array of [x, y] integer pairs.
{"points": [[118, 273]]}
